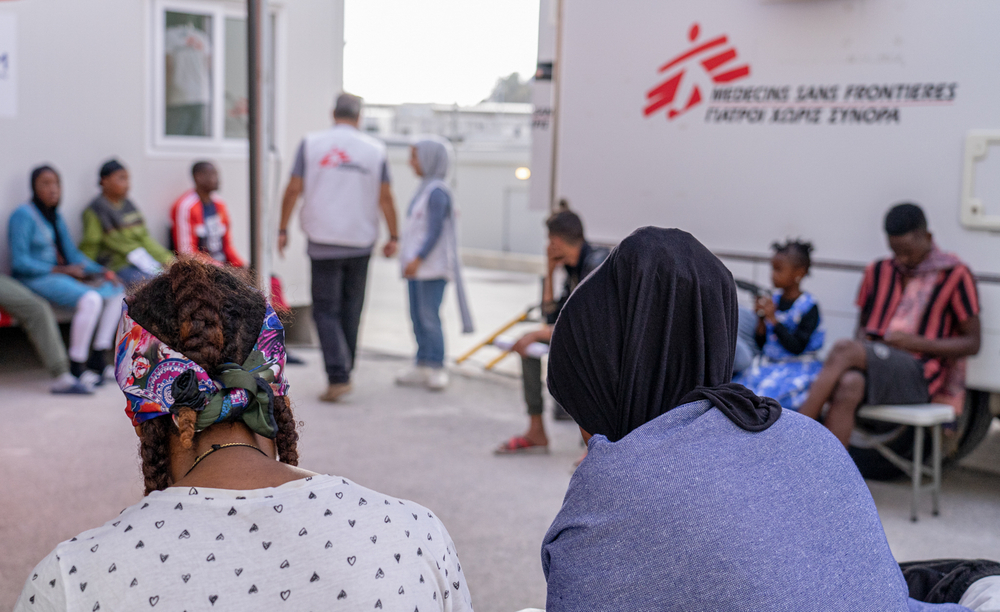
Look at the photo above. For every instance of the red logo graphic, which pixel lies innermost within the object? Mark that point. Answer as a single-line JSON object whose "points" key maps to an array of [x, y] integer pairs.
{"points": [[715, 65], [334, 158]]}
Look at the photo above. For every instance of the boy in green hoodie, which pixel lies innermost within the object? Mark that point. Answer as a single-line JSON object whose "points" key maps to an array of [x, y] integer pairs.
{"points": [[115, 234]]}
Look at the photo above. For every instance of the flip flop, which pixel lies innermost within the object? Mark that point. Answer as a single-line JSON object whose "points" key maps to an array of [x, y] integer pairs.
{"points": [[519, 445]]}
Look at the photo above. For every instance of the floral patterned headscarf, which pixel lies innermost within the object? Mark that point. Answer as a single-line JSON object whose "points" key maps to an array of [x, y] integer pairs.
{"points": [[158, 380]]}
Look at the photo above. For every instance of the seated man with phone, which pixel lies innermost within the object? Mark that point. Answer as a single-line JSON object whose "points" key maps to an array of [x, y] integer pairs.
{"points": [[919, 321]]}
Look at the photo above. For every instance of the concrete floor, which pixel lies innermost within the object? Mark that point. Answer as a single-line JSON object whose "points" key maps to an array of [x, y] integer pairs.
{"points": [[69, 464]]}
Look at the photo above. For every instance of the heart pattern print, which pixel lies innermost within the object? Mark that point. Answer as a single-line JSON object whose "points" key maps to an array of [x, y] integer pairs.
{"points": [[322, 543]]}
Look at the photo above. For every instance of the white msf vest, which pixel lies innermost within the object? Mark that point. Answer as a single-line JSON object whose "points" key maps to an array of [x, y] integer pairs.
{"points": [[442, 261], [343, 179]]}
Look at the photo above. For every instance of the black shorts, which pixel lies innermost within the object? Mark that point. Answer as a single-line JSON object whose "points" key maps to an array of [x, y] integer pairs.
{"points": [[893, 376]]}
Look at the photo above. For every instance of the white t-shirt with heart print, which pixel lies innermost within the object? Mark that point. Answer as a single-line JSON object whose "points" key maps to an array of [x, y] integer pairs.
{"points": [[320, 543]]}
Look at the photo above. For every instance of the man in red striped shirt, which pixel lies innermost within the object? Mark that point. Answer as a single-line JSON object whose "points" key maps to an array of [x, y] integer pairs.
{"points": [[919, 321]]}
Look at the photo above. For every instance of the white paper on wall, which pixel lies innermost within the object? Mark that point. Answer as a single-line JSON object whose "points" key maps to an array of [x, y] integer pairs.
{"points": [[8, 65]]}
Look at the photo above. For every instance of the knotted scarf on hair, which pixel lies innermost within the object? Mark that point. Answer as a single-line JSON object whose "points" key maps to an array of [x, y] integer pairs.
{"points": [[158, 380], [653, 328]]}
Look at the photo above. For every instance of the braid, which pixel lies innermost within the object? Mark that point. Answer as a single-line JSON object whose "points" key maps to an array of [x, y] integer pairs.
{"points": [[213, 316], [154, 449], [186, 420], [287, 438], [198, 314]]}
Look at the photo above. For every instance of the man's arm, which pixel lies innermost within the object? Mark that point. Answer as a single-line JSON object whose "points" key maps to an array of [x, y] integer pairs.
{"points": [[388, 206], [539, 335], [292, 193], [965, 344]]}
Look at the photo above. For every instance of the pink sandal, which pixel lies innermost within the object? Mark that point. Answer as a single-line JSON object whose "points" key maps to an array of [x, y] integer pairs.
{"points": [[519, 445]]}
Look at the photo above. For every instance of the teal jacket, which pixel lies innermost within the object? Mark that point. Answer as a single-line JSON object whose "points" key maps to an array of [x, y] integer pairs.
{"points": [[33, 244]]}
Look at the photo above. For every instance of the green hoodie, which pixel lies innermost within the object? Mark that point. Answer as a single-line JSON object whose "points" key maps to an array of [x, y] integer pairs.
{"points": [[112, 231]]}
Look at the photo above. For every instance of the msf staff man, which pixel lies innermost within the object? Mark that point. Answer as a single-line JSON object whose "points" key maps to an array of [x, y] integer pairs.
{"points": [[343, 177]]}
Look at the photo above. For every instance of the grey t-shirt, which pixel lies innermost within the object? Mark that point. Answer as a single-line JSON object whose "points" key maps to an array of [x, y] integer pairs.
{"points": [[316, 250]]}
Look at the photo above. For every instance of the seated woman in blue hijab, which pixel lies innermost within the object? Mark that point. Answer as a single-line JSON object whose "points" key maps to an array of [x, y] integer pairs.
{"points": [[696, 494]]}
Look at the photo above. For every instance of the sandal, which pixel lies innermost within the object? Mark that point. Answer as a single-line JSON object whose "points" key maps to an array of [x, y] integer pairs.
{"points": [[519, 445]]}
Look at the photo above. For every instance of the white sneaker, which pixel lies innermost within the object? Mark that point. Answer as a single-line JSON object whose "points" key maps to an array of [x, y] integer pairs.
{"points": [[438, 379], [413, 376], [91, 379], [109, 373], [67, 384]]}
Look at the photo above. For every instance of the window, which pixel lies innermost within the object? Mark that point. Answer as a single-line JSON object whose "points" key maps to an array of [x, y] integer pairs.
{"points": [[200, 76], [187, 52], [237, 104]]}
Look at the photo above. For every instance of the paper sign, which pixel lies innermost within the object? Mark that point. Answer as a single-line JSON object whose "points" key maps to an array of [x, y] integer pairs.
{"points": [[8, 65]]}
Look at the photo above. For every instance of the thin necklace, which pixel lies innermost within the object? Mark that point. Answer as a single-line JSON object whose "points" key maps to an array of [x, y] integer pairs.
{"points": [[216, 447]]}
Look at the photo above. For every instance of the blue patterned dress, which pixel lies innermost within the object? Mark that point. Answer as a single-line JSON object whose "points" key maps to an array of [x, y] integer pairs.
{"points": [[778, 372]]}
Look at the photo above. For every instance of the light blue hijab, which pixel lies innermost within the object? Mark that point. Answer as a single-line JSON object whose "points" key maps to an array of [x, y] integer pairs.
{"points": [[434, 154]]}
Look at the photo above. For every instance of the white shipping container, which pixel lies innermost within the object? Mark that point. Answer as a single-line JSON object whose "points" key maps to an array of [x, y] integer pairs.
{"points": [[749, 121]]}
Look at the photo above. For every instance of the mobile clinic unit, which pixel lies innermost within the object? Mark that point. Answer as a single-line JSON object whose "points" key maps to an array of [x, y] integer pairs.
{"points": [[748, 121]]}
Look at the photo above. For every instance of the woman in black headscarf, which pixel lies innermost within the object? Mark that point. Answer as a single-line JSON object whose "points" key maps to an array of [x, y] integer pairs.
{"points": [[696, 494], [44, 258]]}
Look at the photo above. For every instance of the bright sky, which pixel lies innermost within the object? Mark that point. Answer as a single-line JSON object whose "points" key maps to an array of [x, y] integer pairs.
{"points": [[441, 51]]}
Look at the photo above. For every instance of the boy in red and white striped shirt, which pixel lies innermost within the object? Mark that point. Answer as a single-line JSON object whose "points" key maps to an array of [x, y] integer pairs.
{"points": [[201, 221]]}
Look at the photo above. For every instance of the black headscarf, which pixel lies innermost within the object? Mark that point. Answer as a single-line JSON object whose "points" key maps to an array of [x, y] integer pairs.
{"points": [[653, 328], [48, 212]]}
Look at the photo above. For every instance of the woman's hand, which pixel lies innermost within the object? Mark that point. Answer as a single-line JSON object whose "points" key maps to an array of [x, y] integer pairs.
{"points": [[111, 276], [75, 271], [411, 268]]}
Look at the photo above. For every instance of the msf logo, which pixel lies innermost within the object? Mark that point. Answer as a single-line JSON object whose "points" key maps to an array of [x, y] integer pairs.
{"points": [[717, 65], [334, 158]]}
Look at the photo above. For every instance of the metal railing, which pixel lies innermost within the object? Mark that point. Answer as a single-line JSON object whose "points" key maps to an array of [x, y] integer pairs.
{"points": [[828, 264]]}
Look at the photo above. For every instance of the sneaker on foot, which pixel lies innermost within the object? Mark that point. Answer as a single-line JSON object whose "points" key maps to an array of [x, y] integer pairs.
{"points": [[437, 379], [67, 384], [413, 376], [91, 379], [109, 374], [335, 391]]}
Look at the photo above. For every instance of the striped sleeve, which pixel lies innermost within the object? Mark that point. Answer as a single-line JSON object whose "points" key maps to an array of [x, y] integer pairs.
{"points": [[183, 229], [964, 299], [867, 286]]}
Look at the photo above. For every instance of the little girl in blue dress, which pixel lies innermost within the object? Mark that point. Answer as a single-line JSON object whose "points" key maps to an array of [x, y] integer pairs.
{"points": [[788, 331]]}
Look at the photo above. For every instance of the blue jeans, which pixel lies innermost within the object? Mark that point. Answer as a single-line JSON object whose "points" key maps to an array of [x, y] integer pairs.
{"points": [[746, 341], [131, 275], [425, 312]]}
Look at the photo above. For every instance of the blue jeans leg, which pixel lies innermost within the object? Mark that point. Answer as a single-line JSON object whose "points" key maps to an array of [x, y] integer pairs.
{"points": [[131, 275], [425, 313], [746, 341]]}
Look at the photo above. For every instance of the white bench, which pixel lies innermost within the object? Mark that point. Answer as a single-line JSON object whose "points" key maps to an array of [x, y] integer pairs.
{"points": [[917, 416]]}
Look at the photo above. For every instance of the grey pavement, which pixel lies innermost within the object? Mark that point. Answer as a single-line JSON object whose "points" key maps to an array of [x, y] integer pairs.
{"points": [[68, 464]]}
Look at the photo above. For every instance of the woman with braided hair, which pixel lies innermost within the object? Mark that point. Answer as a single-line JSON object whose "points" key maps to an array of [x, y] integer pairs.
{"points": [[228, 520]]}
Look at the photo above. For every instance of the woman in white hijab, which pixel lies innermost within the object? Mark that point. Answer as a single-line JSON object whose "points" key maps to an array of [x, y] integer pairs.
{"points": [[429, 257]]}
